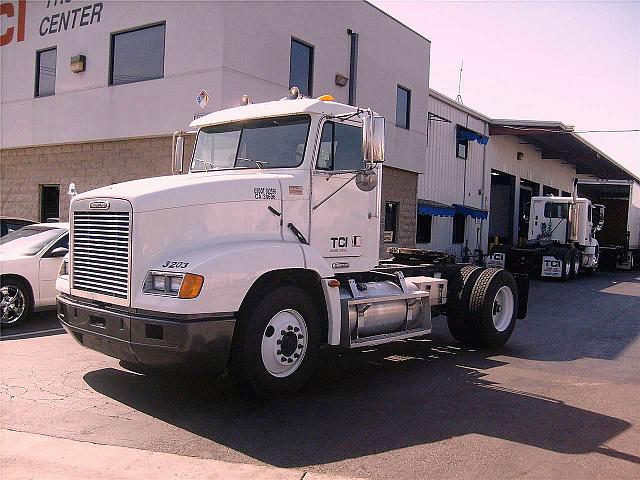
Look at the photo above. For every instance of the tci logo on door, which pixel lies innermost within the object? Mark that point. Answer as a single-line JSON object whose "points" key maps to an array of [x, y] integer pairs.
{"points": [[15, 13]]}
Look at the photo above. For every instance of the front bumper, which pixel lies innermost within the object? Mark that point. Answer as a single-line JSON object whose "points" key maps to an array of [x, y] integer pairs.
{"points": [[201, 342]]}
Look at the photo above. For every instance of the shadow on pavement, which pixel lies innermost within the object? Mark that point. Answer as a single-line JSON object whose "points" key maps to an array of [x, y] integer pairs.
{"points": [[591, 317], [363, 403], [40, 324]]}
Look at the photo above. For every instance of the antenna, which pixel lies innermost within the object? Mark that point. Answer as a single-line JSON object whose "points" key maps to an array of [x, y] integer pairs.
{"points": [[459, 97]]}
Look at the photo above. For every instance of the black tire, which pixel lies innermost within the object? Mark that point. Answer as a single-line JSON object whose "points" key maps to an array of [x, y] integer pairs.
{"points": [[247, 367], [483, 303], [460, 285], [23, 300], [574, 258], [565, 256]]}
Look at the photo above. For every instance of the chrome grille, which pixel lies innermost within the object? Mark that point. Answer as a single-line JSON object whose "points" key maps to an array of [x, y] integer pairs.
{"points": [[100, 257]]}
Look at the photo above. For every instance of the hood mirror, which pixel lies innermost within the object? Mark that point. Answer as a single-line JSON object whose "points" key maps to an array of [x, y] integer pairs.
{"points": [[367, 180], [373, 138]]}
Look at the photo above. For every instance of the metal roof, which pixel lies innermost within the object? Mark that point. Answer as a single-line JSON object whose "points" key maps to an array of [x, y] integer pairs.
{"points": [[558, 141]]}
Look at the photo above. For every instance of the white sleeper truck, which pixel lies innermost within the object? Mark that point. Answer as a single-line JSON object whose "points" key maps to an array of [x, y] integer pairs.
{"points": [[561, 239], [266, 251]]}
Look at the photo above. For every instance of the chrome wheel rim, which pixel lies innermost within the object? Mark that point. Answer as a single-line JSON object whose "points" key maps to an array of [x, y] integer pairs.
{"points": [[502, 312], [567, 268], [576, 265], [12, 304], [284, 343]]}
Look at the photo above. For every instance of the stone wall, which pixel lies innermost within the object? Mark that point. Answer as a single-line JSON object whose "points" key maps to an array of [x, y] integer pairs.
{"points": [[89, 165], [399, 186]]}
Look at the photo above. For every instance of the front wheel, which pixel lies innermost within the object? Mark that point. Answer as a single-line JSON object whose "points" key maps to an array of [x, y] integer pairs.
{"points": [[276, 343], [16, 303]]}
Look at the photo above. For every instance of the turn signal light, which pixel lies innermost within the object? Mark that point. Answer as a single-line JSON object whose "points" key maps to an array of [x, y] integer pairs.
{"points": [[191, 286]]}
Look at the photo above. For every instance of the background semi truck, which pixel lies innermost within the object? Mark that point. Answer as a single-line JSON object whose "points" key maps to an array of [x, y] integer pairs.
{"points": [[561, 239], [620, 235], [267, 250]]}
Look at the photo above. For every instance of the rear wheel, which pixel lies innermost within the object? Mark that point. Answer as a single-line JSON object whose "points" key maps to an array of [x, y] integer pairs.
{"points": [[16, 302], [459, 287], [276, 343], [493, 307], [565, 257]]}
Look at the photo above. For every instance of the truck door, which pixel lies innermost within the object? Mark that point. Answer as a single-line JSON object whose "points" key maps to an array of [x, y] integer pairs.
{"points": [[344, 225]]}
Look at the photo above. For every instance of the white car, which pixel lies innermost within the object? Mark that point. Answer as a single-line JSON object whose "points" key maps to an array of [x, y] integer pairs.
{"points": [[30, 260]]}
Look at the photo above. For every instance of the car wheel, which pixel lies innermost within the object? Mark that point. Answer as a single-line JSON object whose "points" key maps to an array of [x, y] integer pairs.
{"points": [[16, 303]]}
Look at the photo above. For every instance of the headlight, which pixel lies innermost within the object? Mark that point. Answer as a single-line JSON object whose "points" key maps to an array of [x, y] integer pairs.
{"points": [[170, 284], [64, 268]]}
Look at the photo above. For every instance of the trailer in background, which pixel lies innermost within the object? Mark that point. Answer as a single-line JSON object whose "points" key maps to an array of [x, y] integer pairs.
{"points": [[620, 235]]}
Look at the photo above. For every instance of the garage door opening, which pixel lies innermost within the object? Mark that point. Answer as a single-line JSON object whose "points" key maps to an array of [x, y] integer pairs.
{"points": [[501, 207]]}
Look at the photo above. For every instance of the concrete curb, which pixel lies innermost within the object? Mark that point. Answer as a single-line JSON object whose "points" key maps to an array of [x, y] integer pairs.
{"points": [[28, 455]]}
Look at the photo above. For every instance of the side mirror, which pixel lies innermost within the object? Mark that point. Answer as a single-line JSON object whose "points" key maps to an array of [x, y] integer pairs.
{"points": [[178, 155], [59, 252], [373, 138]]}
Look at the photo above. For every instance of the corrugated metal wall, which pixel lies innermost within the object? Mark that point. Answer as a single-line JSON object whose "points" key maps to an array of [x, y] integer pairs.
{"points": [[449, 179]]}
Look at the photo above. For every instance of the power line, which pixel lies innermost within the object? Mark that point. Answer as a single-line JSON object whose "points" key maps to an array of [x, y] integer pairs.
{"points": [[547, 130]]}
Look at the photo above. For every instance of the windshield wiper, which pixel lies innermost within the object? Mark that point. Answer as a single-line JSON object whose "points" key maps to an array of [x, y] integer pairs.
{"points": [[206, 162], [259, 163]]}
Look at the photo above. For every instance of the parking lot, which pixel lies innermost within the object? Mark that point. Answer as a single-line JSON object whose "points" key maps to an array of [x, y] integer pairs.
{"points": [[561, 400]]}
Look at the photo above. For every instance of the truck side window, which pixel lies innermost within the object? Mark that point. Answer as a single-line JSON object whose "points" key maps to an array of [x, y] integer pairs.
{"points": [[340, 148], [556, 210]]}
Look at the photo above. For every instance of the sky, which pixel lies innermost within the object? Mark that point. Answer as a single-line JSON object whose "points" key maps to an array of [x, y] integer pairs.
{"points": [[571, 61]]}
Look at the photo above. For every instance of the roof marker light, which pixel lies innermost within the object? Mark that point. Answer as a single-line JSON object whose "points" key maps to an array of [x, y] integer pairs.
{"points": [[326, 98]]}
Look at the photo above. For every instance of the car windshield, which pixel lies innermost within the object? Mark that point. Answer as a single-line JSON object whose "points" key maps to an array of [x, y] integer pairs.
{"points": [[30, 240], [277, 142]]}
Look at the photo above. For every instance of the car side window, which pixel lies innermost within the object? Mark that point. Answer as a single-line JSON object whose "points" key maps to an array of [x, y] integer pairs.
{"points": [[340, 148]]}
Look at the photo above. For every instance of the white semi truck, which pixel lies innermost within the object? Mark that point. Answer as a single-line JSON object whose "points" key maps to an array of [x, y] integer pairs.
{"points": [[560, 242], [267, 250]]}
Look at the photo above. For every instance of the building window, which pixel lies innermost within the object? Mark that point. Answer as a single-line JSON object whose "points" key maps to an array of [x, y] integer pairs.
{"points": [[390, 221], [50, 203], [462, 147], [301, 67], [137, 55], [340, 147], [403, 107], [459, 221], [546, 191], [423, 229], [46, 72]]}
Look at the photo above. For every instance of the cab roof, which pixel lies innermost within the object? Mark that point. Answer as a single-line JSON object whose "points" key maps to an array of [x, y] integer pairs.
{"points": [[273, 109]]}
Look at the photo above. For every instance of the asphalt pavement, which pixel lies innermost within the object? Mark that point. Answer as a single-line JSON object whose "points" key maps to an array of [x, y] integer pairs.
{"points": [[560, 400]]}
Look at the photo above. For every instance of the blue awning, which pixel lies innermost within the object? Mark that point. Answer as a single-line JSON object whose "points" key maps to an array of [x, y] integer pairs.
{"points": [[437, 209], [471, 211], [464, 134]]}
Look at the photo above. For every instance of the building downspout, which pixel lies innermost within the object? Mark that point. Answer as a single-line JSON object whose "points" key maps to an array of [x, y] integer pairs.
{"points": [[353, 67]]}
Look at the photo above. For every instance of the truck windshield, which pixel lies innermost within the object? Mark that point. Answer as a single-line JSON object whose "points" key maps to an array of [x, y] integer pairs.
{"points": [[277, 142]]}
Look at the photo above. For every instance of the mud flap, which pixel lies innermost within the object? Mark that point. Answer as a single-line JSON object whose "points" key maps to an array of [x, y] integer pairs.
{"points": [[522, 281]]}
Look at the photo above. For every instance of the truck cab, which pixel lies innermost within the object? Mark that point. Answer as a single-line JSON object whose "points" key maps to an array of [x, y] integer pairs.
{"points": [[266, 250]]}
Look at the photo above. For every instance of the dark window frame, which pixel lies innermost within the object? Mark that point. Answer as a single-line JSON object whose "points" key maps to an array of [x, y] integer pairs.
{"points": [[460, 141], [43, 217], [407, 113], [333, 139], [112, 39], [36, 87], [426, 237], [312, 55], [395, 223], [458, 229]]}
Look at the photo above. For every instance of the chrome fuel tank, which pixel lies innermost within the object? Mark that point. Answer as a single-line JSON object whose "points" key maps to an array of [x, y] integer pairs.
{"points": [[372, 309]]}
